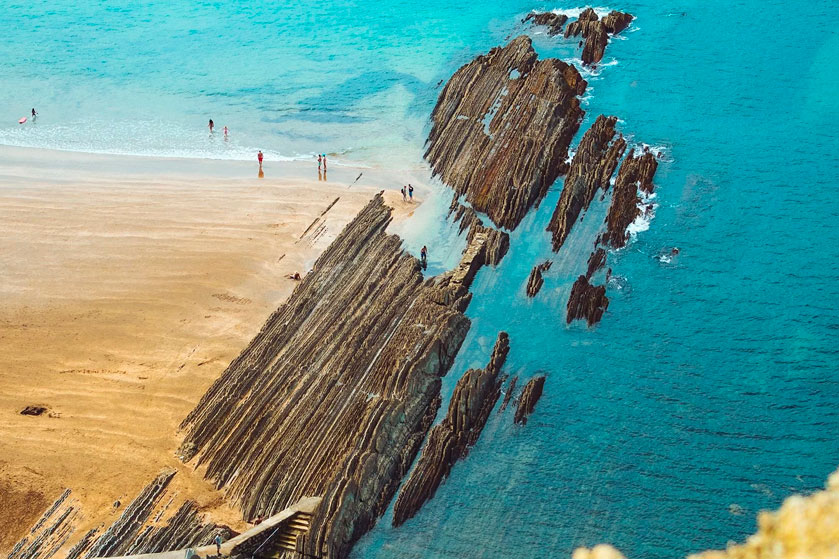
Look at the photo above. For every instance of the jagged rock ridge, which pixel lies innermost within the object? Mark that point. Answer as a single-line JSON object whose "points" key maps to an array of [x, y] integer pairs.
{"points": [[535, 281], [335, 394], [474, 396], [636, 173], [586, 301], [591, 168], [501, 129], [596, 32], [554, 22], [529, 396]]}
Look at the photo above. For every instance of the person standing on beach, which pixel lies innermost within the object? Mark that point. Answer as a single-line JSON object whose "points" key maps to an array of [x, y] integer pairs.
{"points": [[324, 162], [410, 192], [259, 158], [402, 190], [211, 125], [320, 162]]}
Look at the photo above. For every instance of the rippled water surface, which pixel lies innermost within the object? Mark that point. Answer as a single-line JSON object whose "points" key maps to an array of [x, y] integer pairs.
{"points": [[711, 385]]}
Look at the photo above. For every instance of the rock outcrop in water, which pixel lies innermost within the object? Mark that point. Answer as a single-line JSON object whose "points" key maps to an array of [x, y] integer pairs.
{"points": [[591, 169], [474, 396], [336, 393], [636, 173], [535, 281], [501, 129], [596, 32], [554, 22], [596, 261], [527, 401], [586, 301]]}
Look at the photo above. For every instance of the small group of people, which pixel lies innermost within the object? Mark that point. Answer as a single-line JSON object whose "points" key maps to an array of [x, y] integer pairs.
{"points": [[322, 165], [407, 191], [212, 127]]}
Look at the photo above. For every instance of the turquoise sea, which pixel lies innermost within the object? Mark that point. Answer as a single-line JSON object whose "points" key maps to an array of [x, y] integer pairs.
{"points": [[709, 391]]}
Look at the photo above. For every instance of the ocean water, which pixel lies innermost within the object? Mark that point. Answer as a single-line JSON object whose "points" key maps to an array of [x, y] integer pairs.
{"points": [[710, 389]]}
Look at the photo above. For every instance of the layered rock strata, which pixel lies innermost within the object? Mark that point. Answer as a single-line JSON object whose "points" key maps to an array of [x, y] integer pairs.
{"points": [[501, 129], [497, 242], [527, 401], [554, 22], [535, 281], [596, 32], [596, 261], [635, 174], [508, 395], [591, 169], [474, 396], [586, 301], [336, 393]]}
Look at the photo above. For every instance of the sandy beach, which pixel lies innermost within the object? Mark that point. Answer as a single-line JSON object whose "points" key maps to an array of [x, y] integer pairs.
{"points": [[126, 286]]}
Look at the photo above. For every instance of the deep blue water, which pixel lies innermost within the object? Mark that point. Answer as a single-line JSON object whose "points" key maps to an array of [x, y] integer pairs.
{"points": [[712, 379]]}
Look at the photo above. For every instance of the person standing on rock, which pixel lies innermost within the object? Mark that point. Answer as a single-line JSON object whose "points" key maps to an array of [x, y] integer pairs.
{"points": [[217, 541]]}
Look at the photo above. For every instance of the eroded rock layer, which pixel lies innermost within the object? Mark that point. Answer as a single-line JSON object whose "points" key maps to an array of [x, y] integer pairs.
{"points": [[474, 396], [501, 129], [587, 302], [591, 169], [335, 394], [527, 401], [635, 174], [596, 32], [535, 281], [596, 261], [554, 22]]}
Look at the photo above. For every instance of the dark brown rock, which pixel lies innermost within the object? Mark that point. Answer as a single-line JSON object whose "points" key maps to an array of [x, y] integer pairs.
{"points": [[636, 173], [554, 22], [587, 302], [592, 167], [535, 281], [596, 261], [596, 32], [501, 129], [33, 410], [527, 401], [511, 388], [472, 401]]}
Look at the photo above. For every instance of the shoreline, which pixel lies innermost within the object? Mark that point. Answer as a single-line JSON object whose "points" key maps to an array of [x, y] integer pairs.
{"points": [[128, 284]]}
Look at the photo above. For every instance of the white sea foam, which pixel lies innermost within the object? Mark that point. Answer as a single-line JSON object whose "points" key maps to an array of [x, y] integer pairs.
{"points": [[575, 12]]}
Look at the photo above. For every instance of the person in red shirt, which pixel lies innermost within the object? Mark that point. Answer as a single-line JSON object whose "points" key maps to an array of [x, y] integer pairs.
{"points": [[259, 157]]}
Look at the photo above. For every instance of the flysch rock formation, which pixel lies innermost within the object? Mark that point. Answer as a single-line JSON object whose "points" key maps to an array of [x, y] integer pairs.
{"points": [[596, 261], [527, 401], [586, 301], [508, 394], [535, 281], [805, 527], [475, 394], [591, 169], [635, 174], [596, 32], [336, 393], [501, 129], [554, 22]]}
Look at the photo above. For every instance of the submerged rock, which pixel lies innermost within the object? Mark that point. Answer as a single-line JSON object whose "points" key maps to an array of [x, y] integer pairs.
{"points": [[527, 401], [474, 396], [596, 32], [586, 301], [535, 281], [554, 22], [591, 169], [636, 173], [501, 129]]}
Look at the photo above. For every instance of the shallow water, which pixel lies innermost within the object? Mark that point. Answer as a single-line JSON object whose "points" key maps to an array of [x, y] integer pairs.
{"points": [[712, 379]]}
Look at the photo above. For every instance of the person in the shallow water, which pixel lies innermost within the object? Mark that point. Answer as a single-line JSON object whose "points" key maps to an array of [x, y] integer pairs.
{"points": [[424, 257], [225, 132], [259, 158], [34, 114], [211, 125]]}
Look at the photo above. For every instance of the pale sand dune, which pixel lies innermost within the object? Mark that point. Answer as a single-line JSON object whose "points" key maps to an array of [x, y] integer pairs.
{"points": [[126, 286]]}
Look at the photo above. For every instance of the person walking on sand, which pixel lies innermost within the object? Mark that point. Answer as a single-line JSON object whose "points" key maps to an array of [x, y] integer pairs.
{"points": [[217, 541], [402, 190], [259, 158], [211, 125], [410, 192]]}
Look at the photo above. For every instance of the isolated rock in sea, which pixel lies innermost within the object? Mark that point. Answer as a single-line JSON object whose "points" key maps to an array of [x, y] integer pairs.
{"points": [[474, 396], [336, 393], [501, 129], [596, 261], [529, 396], [554, 22], [596, 32], [587, 302], [508, 395], [591, 168], [535, 281], [636, 173]]}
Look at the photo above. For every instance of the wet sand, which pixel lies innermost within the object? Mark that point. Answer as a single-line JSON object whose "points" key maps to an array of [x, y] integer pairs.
{"points": [[126, 286]]}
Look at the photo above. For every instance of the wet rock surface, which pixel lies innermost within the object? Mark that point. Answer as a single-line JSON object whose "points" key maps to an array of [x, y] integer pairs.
{"points": [[336, 393], [554, 22], [501, 129], [635, 174], [527, 401], [596, 261], [535, 281], [587, 302], [474, 396], [591, 169], [596, 32]]}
